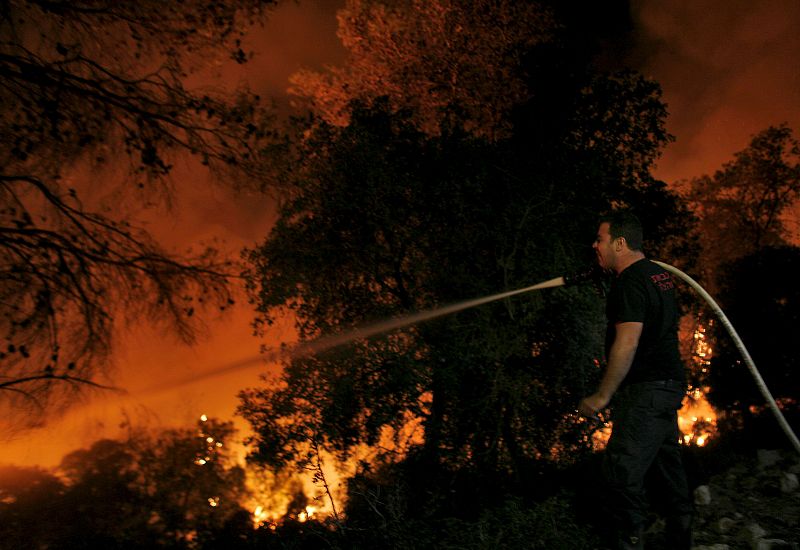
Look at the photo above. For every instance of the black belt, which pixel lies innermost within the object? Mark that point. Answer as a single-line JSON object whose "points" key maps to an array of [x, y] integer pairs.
{"points": [[677, 384], [666, 383]]}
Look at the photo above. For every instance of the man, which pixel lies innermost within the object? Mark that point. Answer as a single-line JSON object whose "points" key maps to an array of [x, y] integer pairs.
{"points": [[645, 377]]}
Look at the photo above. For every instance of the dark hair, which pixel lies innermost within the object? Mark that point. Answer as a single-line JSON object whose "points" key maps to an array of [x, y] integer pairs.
{"points": [[624, 223]]}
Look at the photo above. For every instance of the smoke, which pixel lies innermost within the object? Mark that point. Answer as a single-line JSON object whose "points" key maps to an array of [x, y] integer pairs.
{"points": [[728, 69]]}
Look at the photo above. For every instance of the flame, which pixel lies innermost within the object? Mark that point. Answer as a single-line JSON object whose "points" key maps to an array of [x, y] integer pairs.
{"points": [[697, 420], [600, 436], [307, 514]]}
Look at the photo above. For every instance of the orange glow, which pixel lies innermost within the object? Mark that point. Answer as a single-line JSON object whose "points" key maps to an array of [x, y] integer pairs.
{"points": [[600, 436], [307, 514], [697, 420], [708, 130]]}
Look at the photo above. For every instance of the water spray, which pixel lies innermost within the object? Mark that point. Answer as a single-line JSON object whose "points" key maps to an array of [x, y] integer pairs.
{"points": [[325, 343], [593, 275]]}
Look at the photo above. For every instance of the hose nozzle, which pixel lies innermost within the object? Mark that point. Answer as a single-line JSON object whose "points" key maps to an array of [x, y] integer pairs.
{"points": [[593, 274]]}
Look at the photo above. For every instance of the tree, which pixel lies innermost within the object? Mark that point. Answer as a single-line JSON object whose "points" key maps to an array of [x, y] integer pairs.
{"points": [[103, 503], [88, 88], [192, 483], [383, 218], [760, 296], [742, 211], [26, 496], [742, 206], [179, 488], [386, 221], [446, 61]]}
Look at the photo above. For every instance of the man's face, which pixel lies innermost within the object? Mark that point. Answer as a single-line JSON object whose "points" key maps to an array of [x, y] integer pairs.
{"points": [[604, 247]]}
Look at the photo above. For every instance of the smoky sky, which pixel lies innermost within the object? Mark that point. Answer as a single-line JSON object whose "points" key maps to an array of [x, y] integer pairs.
{"points": [[728, 70]]}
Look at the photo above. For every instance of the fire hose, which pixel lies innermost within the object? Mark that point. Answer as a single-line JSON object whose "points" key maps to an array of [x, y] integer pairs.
{"points": [[742, 350], [592, 275]]}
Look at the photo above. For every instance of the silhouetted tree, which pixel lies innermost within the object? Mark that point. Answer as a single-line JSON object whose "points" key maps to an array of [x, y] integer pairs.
{"points": [[741, 209], [103, 504], [29, 500], [191, 481], [742, 206], [383, 218], [179, 488], [93, 97], [760, 296]]}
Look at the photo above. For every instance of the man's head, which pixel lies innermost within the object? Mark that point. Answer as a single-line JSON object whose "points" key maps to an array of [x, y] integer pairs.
{"points": [[625, 224], [619, 240]]}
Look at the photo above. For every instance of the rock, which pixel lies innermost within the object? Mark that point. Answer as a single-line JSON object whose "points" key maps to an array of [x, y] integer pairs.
{"points": [[752, 535], [724, 525], [702, 495], [771, 544], [789, 482], [755, 530], [767, 458], [750, 506]]}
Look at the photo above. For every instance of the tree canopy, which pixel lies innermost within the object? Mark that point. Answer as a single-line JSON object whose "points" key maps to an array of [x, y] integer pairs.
{"points": [[744, 244], [442, 60], [384, 218], [742, 206], [93, 98], [178, 488]]}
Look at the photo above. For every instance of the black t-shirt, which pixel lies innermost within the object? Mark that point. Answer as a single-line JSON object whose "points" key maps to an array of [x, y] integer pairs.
{"points": [[645, 293]]}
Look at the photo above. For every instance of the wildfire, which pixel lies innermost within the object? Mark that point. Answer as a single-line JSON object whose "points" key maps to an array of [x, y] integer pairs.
{"points": [[273, 492], [697, 419], [306, 514]]}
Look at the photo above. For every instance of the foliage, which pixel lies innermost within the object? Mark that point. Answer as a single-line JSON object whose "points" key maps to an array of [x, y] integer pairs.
{"points": [[384, 217], [88, 89], [143, 492], [545, 525], [742, 205], [450, 62], [381, 210], [26, 496], [387, 507], [761, 298], [513, 523], [742, 235]]}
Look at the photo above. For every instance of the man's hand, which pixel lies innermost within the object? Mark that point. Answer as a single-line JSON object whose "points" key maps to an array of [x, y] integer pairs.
{"points": [[592, 405]]}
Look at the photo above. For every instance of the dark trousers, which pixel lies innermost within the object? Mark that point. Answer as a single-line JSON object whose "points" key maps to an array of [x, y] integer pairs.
{"points": [[644, 442]]}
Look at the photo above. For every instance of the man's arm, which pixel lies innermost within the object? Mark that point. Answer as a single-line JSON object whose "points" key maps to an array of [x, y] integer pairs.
{"points": [[620, 358]]}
